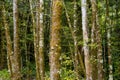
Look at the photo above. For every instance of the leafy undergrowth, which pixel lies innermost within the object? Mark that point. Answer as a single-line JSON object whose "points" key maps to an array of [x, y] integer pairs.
{"points": [[65, 74], [4, 75]]}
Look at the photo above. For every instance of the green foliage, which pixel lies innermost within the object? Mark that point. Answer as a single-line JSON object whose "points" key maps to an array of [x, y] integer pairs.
{"points": [[67, 74], [29, 70], [47, 75], [4, 75]]}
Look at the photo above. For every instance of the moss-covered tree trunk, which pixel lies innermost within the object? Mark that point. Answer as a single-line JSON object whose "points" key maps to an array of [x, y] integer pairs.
{"points": [[38, 32], [99, 48], [2, 51], [77, 68], [9, 43], [41, 41], [55, 47], [99, 54], [35, 39], [93, 40], [36, 36]]}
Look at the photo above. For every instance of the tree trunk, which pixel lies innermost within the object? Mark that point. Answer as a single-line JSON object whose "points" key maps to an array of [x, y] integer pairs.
{"points": [[55, 47], [93, 40], [99, 55], [85, 39], [99, 49], [9, 43], [35, 39], [2, 48], [41, 41], [16, 57], [0, 39], [75, 41], [109, 41]]}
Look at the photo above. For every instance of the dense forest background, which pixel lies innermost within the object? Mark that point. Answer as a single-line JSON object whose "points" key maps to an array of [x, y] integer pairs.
{"points": [[59, 40]]}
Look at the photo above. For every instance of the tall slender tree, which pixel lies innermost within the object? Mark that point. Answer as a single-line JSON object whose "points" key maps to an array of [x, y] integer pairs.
{"points": [[93, 40], [55, 48], [109, 41], [38, 32], [99, 48], [9, 43], [35, 40], [16, 56], [96, 50], [86, 39], [41, 41], [75, 41], [2, 43], [38, 38]]}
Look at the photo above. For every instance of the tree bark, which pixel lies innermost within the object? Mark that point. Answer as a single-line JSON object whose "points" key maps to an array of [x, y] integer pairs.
{"points": [[35, 38], [9, 43], [85, 39], [41, 41], [16, 61], [2, 44], [55, 48], [99, 55], [99, 49], [76, 42], [93, 40], [109, 42]]}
